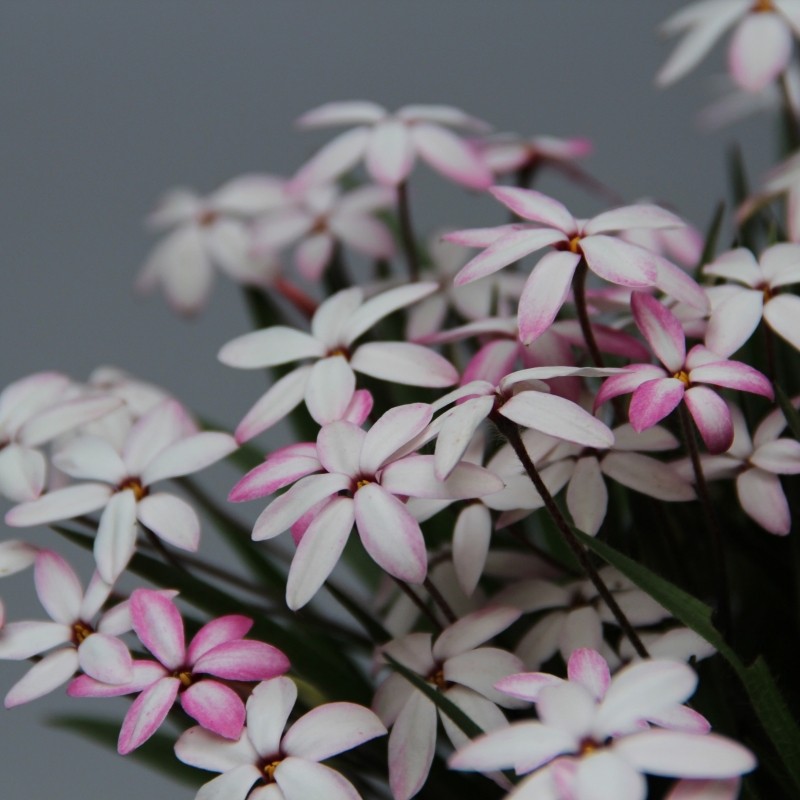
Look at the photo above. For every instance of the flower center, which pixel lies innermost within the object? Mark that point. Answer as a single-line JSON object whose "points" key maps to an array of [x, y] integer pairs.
{"points": [[574, 245], [682, 376], [269, 770], [206, 218], [81, 632], [588, 746], [184, 676], [362, 482], [762, 6], [341, 350], [135, 485], [436, 677]]}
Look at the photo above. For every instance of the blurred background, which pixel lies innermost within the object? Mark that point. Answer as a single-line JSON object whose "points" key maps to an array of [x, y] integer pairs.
{"points": [[105, 104]]}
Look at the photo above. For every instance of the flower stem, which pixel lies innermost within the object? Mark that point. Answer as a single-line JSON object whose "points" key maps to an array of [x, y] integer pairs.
{"points": [[579, 290], [418, 602], [712, 524], [511, 432], [438, 598], [407, 231], [296, 296]]}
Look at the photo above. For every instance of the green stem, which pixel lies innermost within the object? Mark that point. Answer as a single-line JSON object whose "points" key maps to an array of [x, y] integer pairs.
{"points": [[510, 430], [418, 602]]}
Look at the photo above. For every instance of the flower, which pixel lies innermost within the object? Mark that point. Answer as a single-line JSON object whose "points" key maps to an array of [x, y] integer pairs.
{"points": [[286, 766], [390, 143], [759, 51], [658, 391], [592, 731], [366, 479], [329, 385], [319, 218], [217, 650], [92, 647], [549, 283], [757, 295], [208, 231], [157, 447], [462, 671]]}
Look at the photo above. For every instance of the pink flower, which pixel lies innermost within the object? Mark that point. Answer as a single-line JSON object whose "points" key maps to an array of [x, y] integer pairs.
{"points": [[91, 647], [592, 730], [390, 143], [757, 294], [366, 479], [207, 232], [319, 218], [217, 650], [328, 386], [549, 283], [156, 448], [506, 153], [761, 46], [658, 391], [284, 765], [462, 671]]}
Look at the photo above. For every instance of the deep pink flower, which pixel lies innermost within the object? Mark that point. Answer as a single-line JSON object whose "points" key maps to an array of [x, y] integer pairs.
{"points": [[195, 675]]}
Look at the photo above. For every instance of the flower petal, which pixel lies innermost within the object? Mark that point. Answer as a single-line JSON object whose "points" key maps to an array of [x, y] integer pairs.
{"points": [[390, 152], [451, 156], [662, 330], [619, 262], [116, 536], [216, 707], [300, 779], [759, 50], [762, 498], [73, 501], [712, 417], [147, 713], [44, 676], [412, 743], [158, 624], [270, 347]]}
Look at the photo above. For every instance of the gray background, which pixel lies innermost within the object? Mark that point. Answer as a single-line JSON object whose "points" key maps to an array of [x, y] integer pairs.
{"points": [[106, 103]]}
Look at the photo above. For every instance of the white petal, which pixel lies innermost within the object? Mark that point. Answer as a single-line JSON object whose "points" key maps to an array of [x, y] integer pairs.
{"points": [[171, 519], [188, 455], [44, 676], [60, 504], [412, 743], [330, 389], [116, 535], [587, 497], [270, 347], [300, 779]]}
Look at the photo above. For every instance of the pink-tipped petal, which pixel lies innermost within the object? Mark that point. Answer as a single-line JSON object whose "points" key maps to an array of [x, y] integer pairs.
{"points": [[760, 50], [21, 640], [206, 750], [157, 429], [313, 254], [643, 215], [189, 455], [590, 669], [270, 347], [733, 321], [402, 362], [242, 660], [171, 519], [216, 632], [471, 538], [473, 630], [537, 207], [281, 398], [158, 624], [59, 590], [479, 670], [457, 431], [679, 285], [335, 158], [116, 535], [661, 328], [90, 458], [146, 714], [654, 400], [705, 790], [283, 467], [394, 429], [619, 262], [451, 156], [106, 659], [23, 472], [73, 501], [712, 417], [762, 498], [781, 314], [411, 746], [587, 498], [299, 779], [390, 152], [44, 676], [216, 707], [330, 389], [733, 375], [389, 533], [648, 476]]}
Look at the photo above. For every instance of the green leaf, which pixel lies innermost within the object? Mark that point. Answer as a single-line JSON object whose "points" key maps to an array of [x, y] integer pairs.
{"points": [[157, 753], [712, 236], [765, 697], [789, 411]]}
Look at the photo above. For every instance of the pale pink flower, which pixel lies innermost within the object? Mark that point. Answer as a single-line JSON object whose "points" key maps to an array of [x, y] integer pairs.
{"points": [[783, 179], [319, 219], [366, 479], [606, 255], [120, 482], [657, 391], [462, 671], [756, 463], [281, 766], [505, 153], [390, 143], [761, 46], [16, 555], [195, 675], [757, 295], [328, 385], [33, 411], [209, 232], [595, 731], [81, 643]]}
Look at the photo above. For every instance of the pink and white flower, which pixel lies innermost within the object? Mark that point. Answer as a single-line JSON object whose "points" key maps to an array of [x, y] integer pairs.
{"points": [[572, 239], [209, 232], [389, 143], [328, 386], [592, 730], [462, 671], [119, 482], [89, 646], [757, 295], [507, 153], [196, 675], [657, 391], [760, 49], [320, 218], [281, 766], [366, 479]]}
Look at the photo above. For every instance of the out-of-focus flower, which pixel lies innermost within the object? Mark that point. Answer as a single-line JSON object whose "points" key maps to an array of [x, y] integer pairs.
{"points": [[462, 671], [549, 283], [760, 48], [390, 143], [505, 153], [757, 295], [366, 479], [33, 411], [195, 675], [207, 232], [657, 391], [781, 179], [286, 766], [94, 648], [592, 730], [329, 384], [156, 448], [321, 217]]}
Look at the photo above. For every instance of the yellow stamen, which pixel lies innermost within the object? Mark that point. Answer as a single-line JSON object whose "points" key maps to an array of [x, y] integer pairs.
{"points": [[682, 376], [185, 677], [81, 632], [269, 771], [207, 218], [588, 746], [574, 244], [762, 6], [437, 679], [135, 485], [360, 484]]}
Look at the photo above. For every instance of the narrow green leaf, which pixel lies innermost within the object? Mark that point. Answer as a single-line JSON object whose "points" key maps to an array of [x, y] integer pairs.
{"points": [[789, 411], [446, 706], [376, 631], [712, 237], [156, 754]]}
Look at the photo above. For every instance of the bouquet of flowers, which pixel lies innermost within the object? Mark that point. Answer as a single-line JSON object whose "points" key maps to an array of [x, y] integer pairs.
{"points": [[532, 535]]}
